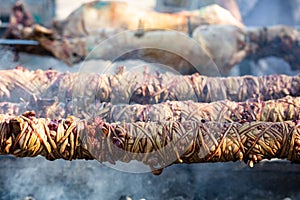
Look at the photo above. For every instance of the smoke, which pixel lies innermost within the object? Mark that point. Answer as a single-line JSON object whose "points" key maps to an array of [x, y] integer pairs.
{"points": [[42, 179], [6, 58], [47, 180], [37, 178]]}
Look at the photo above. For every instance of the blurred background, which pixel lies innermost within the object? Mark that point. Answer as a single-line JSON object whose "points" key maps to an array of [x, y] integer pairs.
{"points": [[253, 12]]}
